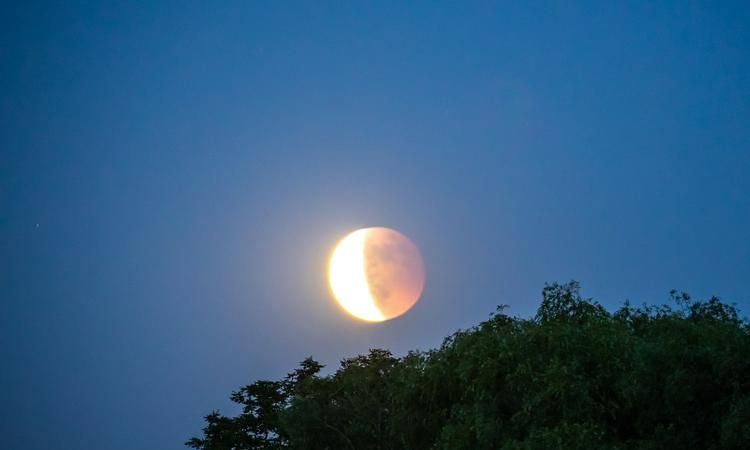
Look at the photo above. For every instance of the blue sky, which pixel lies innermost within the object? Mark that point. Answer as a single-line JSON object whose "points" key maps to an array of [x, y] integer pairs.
{"points": [[173, 178]]}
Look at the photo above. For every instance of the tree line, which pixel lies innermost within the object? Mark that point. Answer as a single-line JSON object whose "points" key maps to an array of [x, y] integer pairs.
{"points": [[574, 376]]}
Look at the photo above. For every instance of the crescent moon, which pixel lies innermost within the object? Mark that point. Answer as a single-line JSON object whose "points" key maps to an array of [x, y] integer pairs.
{"points": [[376, 274]]}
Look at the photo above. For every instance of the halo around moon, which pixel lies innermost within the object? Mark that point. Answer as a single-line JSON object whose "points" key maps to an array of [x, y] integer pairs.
{"points": [[376, 274]]}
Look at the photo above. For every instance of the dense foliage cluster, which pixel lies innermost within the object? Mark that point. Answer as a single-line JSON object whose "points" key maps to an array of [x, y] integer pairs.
{"points": [[574, 376]]}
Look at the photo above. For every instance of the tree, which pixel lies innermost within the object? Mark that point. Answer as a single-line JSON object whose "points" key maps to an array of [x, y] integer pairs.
{"points": [[573, 376]]}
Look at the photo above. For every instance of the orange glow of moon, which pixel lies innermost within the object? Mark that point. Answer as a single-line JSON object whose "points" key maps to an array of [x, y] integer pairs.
{"points": [[376, 274]]}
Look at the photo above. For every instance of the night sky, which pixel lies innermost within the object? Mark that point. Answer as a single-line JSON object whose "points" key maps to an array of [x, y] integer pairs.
{"points": [[174, 177]]}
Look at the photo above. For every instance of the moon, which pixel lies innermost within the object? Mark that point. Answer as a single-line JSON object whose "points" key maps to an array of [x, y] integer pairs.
{"points": [[376, 274]]}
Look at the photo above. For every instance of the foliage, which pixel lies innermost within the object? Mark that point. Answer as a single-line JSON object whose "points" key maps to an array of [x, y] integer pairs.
{"points": [[574, 377]]}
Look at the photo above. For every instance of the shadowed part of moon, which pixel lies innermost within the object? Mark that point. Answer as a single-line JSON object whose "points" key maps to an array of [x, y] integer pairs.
{"points": [[394, 271]]}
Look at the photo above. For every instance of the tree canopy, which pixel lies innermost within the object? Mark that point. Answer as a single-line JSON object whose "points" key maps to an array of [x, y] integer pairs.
{"points": [[574, 376]]}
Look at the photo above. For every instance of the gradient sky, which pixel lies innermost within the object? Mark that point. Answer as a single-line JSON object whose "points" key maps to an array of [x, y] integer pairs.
{"points": [[173, 178]]}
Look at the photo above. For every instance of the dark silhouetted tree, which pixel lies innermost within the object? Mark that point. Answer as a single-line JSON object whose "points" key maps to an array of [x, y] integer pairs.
{"points": [[573, 377]]}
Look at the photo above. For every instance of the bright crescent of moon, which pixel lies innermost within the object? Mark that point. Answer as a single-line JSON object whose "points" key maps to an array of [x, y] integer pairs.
{"points": [[348, 280], [376, 274]]}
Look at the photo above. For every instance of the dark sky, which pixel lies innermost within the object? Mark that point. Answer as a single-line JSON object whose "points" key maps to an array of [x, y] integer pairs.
{"points": [[173, 178]]}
